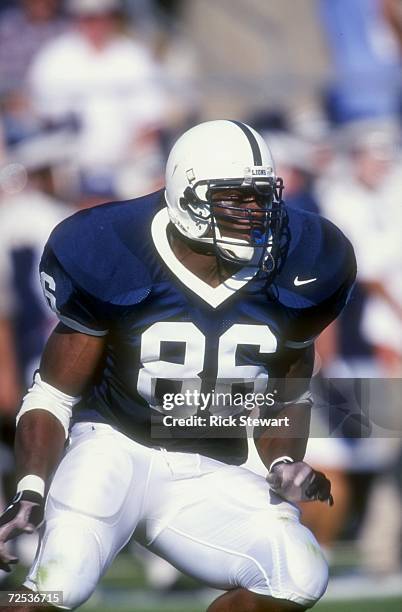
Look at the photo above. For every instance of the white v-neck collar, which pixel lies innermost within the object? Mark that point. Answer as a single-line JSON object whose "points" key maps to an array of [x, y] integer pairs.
{"points": [[214, 296]]}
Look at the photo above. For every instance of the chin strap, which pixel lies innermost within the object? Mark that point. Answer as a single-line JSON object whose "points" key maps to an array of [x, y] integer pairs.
{"points": [[235, 250]]}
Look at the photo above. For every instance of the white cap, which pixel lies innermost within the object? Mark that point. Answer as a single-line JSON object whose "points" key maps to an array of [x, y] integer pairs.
{"points": [[291, 151], [93, 7], [45, 150], [379, 137]]}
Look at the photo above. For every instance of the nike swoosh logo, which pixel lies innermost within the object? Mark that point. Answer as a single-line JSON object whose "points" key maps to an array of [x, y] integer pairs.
{"points": [[298, 282]]}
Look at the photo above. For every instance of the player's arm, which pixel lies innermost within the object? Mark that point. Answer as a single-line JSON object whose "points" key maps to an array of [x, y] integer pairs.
{"points": [[68, 364], [292, 392], [283, 453], [67, 367]]}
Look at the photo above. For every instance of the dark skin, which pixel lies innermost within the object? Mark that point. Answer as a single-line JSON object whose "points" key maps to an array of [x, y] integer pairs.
{"points": [[238, 223], [71, 359], [291, 441], [71, 375]]}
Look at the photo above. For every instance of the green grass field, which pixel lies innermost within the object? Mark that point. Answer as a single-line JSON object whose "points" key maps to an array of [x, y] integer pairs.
{"points": [[124, 589], [377, 605]]}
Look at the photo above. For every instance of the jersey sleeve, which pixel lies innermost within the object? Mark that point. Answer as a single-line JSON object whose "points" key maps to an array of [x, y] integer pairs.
{"points": [[71, 304], [306, 328], [330, 274]]}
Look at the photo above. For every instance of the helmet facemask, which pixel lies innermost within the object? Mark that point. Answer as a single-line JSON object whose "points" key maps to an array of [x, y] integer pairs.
{"points": [[225, 224]]}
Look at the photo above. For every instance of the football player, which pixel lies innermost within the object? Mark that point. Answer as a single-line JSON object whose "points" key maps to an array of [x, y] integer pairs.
{"points": [[211, 279]]}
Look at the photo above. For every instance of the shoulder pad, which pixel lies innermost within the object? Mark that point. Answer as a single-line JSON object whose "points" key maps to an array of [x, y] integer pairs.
{"points": [[102, 249], [317, 276]]}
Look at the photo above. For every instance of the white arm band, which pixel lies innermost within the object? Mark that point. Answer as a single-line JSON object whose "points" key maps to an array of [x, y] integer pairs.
{"points": [[42, 396], [31, 482], [283, 459]]}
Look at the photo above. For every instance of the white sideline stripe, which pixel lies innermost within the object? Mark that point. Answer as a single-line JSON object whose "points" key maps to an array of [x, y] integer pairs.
{"points": [[148, 600], [359, 588], [364, 587]]}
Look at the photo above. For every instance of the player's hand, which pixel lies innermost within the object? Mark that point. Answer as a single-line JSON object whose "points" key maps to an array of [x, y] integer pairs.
{"points": [[298, 482], [23, 515]]}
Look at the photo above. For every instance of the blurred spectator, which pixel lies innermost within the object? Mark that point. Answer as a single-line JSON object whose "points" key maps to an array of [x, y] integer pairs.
{"points": [[365, 58], [392, 10], [23, 30], [144, 15], [3, 153], [364, 202], [111, 86], [359, 470], [158, 24], [18, 120], [294, 162], [28, 212]]}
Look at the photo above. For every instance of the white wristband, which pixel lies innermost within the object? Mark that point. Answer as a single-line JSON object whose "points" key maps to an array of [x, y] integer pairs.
{"points": [[43, 396], [31, 482], [284, 459]]}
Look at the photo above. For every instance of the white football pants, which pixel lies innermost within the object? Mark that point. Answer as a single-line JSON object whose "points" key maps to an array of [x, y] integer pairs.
{"points": [[215, 522]]}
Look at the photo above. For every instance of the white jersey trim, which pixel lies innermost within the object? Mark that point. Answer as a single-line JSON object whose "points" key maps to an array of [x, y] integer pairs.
{"points": [[81, 328], [214, 296]]}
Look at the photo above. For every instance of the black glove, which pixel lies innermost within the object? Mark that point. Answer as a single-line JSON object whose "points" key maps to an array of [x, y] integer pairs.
{"points": [[298, 481], [23, 515]]}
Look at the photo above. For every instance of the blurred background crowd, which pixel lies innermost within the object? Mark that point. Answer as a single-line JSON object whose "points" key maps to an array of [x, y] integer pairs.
{"points": [[92, 95]]}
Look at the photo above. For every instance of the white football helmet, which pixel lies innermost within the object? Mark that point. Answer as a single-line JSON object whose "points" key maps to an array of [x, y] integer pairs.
{"points": [[218, 155]]}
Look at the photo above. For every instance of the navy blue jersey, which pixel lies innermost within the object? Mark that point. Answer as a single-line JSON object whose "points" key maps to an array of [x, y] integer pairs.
{"points": [[111, 271]]}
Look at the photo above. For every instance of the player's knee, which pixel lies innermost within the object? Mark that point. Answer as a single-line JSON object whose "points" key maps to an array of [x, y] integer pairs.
{"points": [[288, 565], [71, 563], [306, 567]]}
